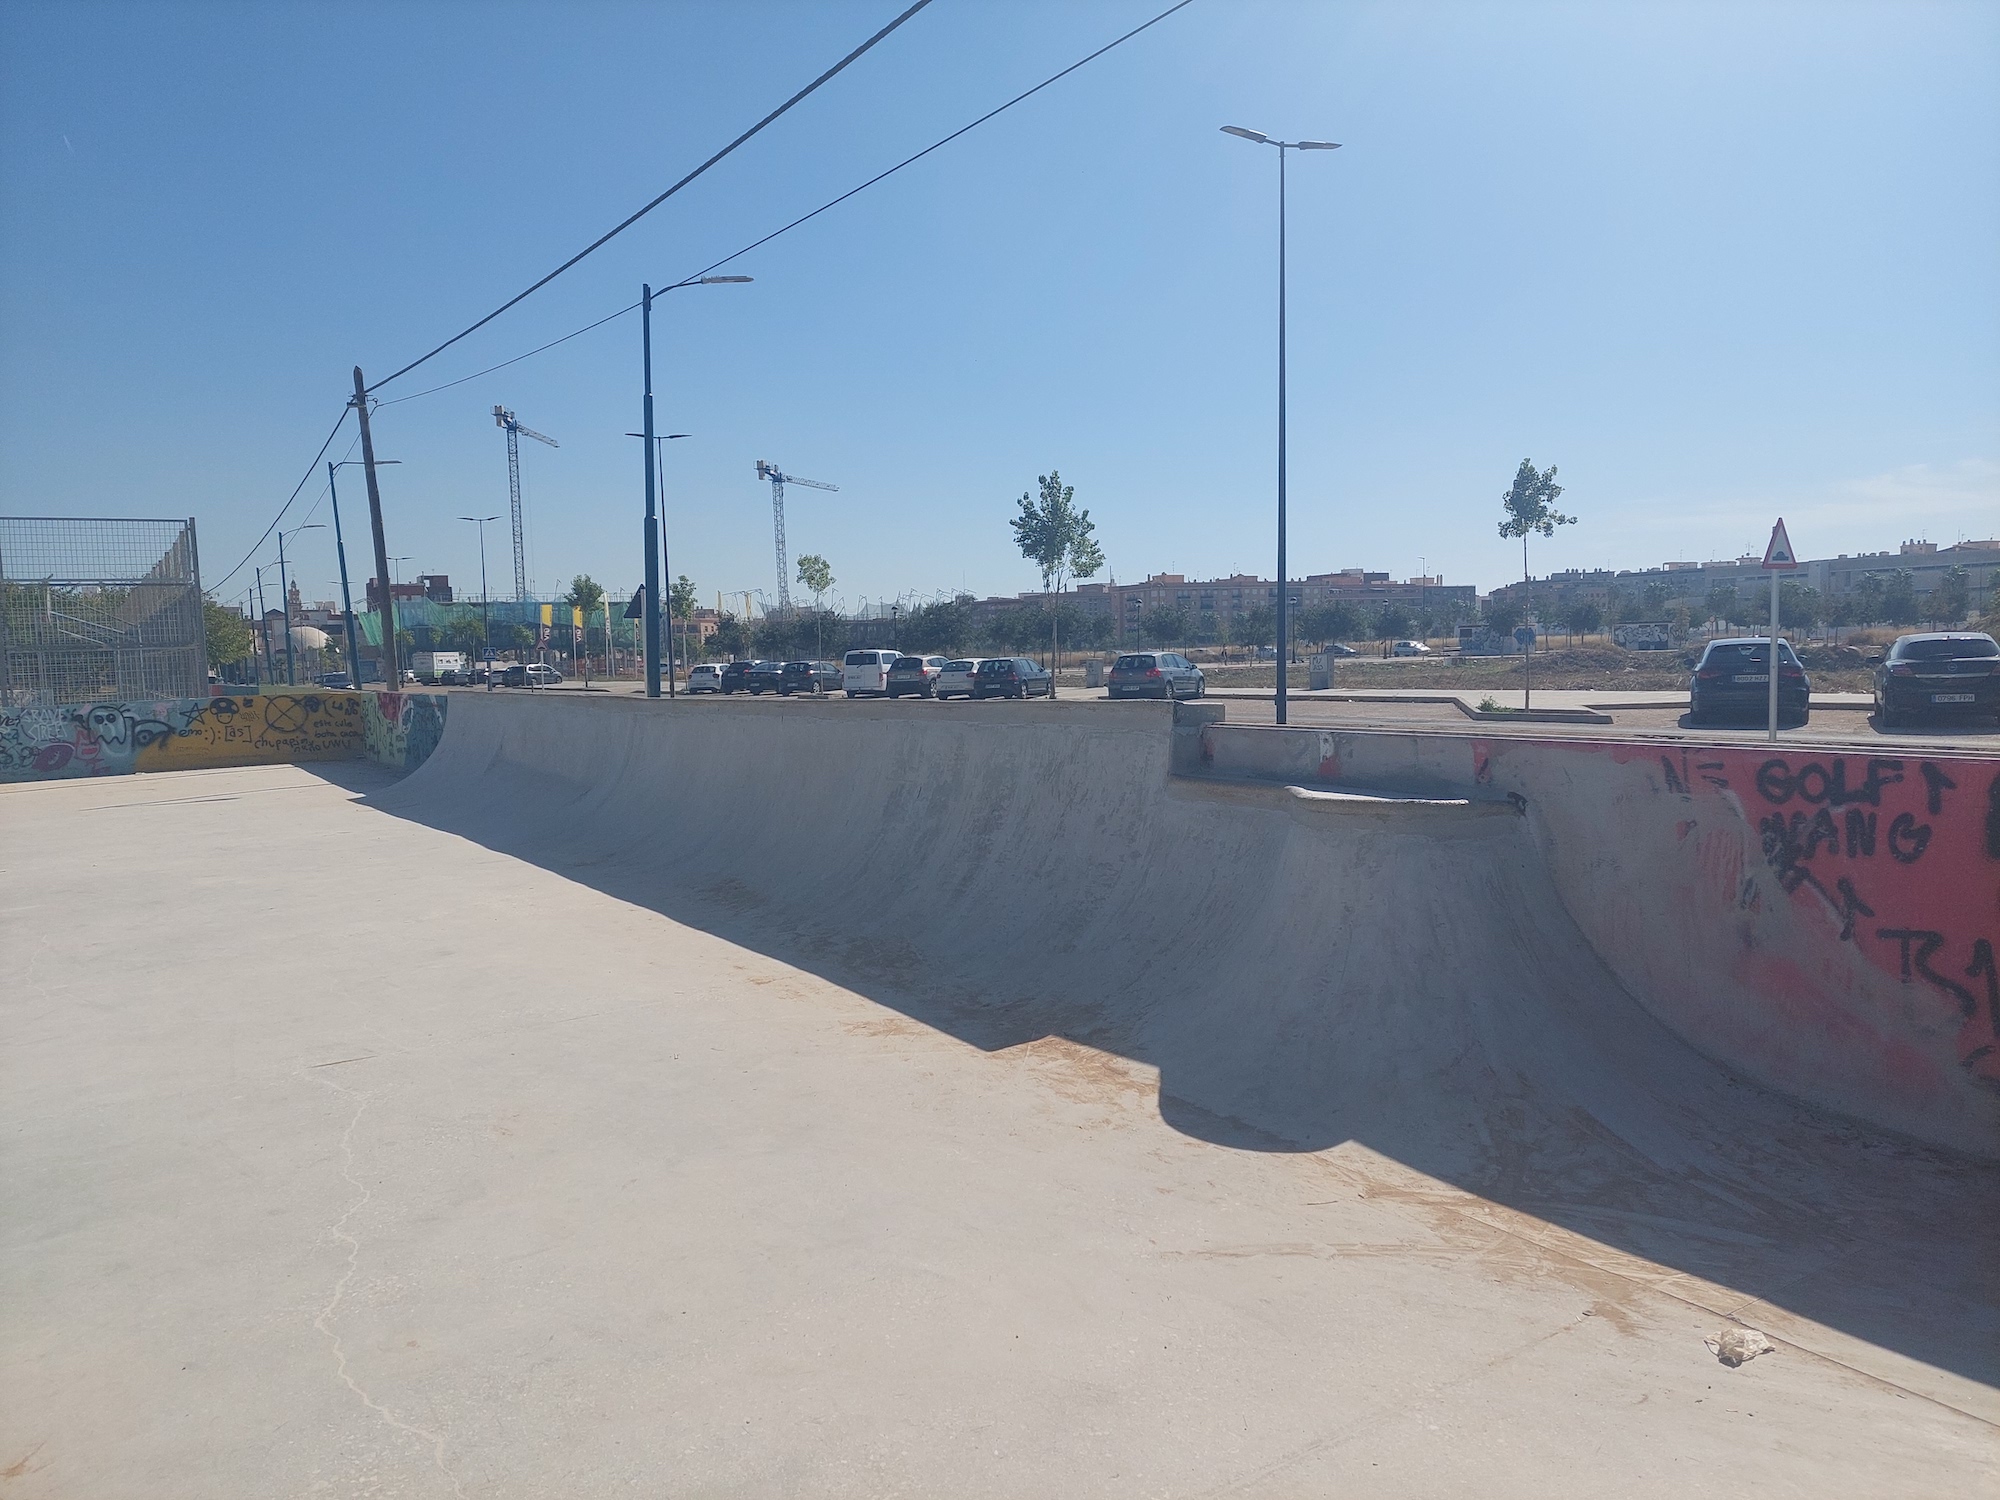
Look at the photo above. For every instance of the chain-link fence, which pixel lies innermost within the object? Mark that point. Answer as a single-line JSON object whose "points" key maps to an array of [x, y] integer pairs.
{"points": [[99, 610]]}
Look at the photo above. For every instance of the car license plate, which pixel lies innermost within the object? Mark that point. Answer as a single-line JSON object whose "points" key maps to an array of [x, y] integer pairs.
{"points": [[1952, 698], [1751, 677]]}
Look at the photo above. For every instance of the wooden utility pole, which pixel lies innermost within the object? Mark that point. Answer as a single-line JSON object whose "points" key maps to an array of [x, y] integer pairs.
{"points": [[392, 664]]}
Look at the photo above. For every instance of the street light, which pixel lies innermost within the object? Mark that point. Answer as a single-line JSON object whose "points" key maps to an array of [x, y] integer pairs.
{"points": [[652, 514], [285, 597], [1284, 582], [485, 625], [340, 546], [666, 560]]}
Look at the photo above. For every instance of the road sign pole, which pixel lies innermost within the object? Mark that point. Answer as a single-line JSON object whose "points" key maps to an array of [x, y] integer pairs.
{"points": [[1774, 657]]}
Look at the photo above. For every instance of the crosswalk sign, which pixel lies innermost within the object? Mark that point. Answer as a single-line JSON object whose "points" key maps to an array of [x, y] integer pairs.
{"points": [[1779, 553]]}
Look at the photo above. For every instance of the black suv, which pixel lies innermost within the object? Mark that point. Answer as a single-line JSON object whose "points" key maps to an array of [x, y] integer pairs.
{"points": [[1952, 672], [809, 677], [733, 676], [1012, 677]]}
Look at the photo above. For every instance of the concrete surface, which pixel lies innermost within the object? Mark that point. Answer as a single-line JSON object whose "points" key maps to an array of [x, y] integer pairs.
{"points": [[707, 1101]]}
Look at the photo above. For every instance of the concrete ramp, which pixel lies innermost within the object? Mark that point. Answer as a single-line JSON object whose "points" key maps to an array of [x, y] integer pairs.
{"points": [[1300, 969]]}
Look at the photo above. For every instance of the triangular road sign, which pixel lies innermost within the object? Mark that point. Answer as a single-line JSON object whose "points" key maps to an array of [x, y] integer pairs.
{"points": [[1779, 553], [636, 610]]}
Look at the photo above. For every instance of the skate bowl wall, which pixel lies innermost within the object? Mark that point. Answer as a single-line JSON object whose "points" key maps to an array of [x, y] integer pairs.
{"points": [[184, 734], [1452, 982], [1823, 923]]}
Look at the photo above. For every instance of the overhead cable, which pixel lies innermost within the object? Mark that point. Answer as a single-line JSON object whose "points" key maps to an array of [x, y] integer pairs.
{"points": [[604, 239]]}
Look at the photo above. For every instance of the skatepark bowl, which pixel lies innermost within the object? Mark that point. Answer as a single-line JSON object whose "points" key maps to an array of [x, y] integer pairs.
{"points": [[728, 1099]]}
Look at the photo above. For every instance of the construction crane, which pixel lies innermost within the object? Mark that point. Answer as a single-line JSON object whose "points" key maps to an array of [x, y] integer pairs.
{"points": [[507, 422], [779, 480]]}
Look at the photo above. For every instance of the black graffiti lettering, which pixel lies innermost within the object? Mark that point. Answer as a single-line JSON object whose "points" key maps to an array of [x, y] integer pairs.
{"points": [[1674, 782], [1870, 790], [1851, 906], [1774, 781], [1812, 782], [1908, 839], [1784, 848], [1936, 784], [1711, 772], [1927, 944], [1860, 834], [1982, 966], [1993, 819], [1822, 831]]}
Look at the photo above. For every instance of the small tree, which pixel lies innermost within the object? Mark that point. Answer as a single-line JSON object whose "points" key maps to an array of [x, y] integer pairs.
{"points": [[1584, 616], [681, 601], [226, 632], [1257, 626], [1721, 604], [1530, 505], [1899, 599], [1502, 613], [1057, 538], [816, 575], [1949, 601], [1392, 622]]}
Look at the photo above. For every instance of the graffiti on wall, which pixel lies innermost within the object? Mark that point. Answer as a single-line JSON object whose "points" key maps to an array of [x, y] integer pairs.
{"points": [[1896, 855], [114, 739], [402, 729]]}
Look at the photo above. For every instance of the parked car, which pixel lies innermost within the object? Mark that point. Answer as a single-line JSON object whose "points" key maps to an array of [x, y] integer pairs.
{"points": [[705, 678], [809, 677], [914, 674], [866, 672], [1409, 648], [333, 680], [1155, 674], [1732, 680], [765, 677], [1943, 674], [530, 674], [956, 680], [1337, 649], [734, 674], [1012, 677]]}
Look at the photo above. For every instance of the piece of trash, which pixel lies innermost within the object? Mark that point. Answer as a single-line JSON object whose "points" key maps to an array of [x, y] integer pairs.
{"points": [[1735, 1346]]}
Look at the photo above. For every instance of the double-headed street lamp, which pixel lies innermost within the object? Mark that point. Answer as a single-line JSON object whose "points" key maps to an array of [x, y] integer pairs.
{"points": [[646, 295], [485, 624], [285, 596], [1284, 580], [340, 546]]}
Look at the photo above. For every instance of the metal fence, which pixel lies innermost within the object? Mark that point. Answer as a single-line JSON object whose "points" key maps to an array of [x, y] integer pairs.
{"points": [[99, 610]]}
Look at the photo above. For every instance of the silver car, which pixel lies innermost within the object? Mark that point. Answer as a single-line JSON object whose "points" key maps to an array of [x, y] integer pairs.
{"points": [[955, 681]]}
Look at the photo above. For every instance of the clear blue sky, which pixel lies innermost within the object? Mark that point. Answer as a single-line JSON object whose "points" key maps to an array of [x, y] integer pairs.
{"points": [[1717, 262]]}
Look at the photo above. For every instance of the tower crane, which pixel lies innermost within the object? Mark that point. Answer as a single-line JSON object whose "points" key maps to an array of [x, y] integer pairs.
{"points": [[779, 480], [506, 421]]}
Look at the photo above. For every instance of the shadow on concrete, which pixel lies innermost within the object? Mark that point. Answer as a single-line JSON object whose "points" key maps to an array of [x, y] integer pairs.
{"points": [[1531, 1084]]}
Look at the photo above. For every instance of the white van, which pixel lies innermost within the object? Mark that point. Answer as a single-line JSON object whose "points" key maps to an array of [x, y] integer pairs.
{"points": [[866, 672]]}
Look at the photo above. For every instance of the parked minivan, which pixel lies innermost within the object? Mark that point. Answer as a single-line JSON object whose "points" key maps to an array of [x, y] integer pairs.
{"points": [[866, 672]]}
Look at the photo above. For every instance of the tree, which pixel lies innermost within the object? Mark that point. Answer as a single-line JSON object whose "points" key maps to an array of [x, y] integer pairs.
{"points": [[227, 634], [517, 638], [1392, 622], [467, 633], [1949, 601], [1530, 505], [1258, 626], [585, 593], [1899, 599], [941, 625], [1583, 616], [1865, 600], [1168, 625], [1502, 614], [729, 639], [816, 575], [681, 601], [1799, 604], [1057, 538], [1720, 602]]}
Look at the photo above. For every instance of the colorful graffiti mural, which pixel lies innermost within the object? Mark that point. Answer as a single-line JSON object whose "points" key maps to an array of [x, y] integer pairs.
{"points": [[115, 739], [402, 729]]}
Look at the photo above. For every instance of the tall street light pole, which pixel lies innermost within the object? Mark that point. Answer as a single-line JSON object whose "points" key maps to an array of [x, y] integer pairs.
{"points": [[340, 545], [487, 631], [646, 295], [660, 440], [1284, 578], [285, 596]]}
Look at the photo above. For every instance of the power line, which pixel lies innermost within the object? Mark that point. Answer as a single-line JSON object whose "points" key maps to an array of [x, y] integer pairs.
{"points": [[311, 469], [635, 218], [803, 218]]}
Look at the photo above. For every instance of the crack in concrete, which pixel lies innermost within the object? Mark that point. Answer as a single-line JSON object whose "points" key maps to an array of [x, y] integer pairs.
{"points": [[323, 1321]]}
